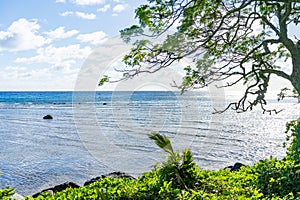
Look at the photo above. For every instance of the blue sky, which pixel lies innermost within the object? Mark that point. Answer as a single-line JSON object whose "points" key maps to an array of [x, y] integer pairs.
{"points": [[43, 44]]}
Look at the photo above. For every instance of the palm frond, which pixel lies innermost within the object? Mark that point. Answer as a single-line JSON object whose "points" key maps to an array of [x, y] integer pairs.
{"points": [[162, 141]]}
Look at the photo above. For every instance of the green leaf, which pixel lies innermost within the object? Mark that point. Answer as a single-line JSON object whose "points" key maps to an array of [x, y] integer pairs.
{"points": [[103, 80], [162, 141]]}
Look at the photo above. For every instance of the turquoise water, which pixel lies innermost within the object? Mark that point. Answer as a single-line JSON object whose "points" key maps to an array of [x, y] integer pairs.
{"points": [[96, 133]]}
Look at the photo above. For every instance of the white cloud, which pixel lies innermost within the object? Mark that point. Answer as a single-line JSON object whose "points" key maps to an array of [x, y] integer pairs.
{"points": [[14, 68], [86, 15], [58, 56], [87, 2], [60, 33], [4, 35], [13, 72], [120, 7], [60, 1], [41, 78], [94, 38], [82, 15], [68, 13], [104, 8], [22, 35]]}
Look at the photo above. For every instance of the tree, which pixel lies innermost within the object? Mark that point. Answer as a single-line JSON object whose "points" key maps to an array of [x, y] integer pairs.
{"points": [[237, 41]]}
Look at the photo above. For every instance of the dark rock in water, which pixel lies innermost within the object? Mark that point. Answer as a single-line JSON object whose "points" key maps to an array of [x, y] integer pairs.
{"points": [[236, 167], [104, 103], [57, 188], [48, 117], [113, 174]]}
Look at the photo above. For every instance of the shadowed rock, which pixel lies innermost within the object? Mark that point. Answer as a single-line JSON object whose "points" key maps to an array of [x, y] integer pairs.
{"points": [[113, 174], [48, 117], [236, 167], [57, 188]]}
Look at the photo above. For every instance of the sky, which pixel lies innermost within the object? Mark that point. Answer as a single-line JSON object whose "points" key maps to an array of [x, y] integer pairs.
{"points": [[43, 44]]}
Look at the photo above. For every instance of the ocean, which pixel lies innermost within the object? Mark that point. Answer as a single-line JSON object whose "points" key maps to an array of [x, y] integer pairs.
{"points": [[94, 133]]}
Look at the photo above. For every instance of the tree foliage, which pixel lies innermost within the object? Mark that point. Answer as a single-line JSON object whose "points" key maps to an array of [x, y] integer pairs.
{"points": [[233, 41]]}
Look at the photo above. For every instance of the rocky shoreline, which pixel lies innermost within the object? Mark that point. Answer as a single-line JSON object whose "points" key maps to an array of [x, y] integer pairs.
{"points": [[63, 186]]}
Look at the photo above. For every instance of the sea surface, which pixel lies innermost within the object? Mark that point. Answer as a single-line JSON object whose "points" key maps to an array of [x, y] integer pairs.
{"points": [[94, 133]]}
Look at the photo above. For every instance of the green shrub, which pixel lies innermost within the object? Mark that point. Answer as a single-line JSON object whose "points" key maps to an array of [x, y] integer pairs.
{"points": [[6, 193], [282, 177], [293, 151], [278, 177]]}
